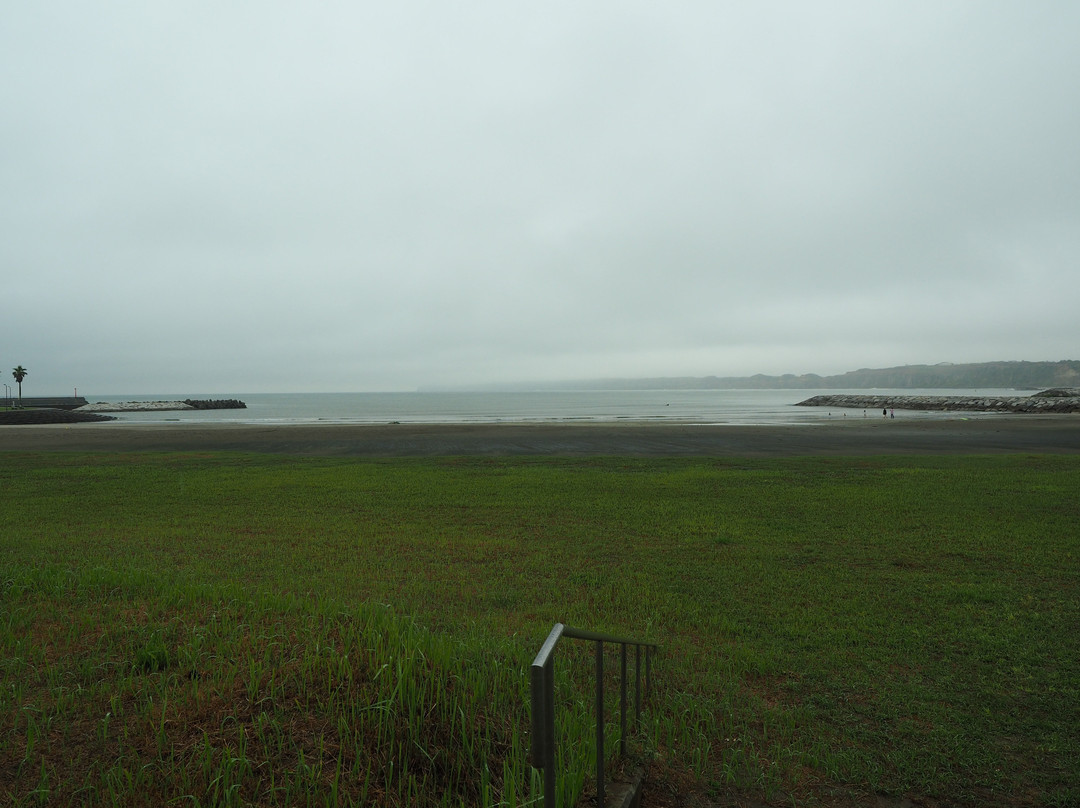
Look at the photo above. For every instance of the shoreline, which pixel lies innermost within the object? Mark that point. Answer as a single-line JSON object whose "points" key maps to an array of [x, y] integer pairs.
{"points": [[1006, 434]]}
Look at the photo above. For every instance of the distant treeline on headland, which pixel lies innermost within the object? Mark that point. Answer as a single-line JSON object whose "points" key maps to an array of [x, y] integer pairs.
{"points": [[1008, 375]]}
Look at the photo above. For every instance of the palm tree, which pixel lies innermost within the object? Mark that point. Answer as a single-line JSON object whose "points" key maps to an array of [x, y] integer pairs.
{"points": [[19, 373]]}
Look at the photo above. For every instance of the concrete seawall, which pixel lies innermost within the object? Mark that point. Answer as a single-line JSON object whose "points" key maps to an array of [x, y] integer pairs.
{"points": [[1038, 403], [52, 403]]}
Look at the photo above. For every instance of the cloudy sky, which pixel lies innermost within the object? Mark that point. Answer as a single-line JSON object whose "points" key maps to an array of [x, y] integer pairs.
{"points": [[208, 197]]}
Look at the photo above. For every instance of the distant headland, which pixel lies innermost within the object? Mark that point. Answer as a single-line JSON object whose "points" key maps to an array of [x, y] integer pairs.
{"points": [[946, 375]]}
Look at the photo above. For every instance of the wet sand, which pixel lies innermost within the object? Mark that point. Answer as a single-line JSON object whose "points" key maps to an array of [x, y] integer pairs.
{"points": [[1058, 434]]}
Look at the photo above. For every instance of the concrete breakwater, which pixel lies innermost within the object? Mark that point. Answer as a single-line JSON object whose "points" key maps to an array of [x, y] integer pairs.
{"points": [[165, 406], [1048, 401]]}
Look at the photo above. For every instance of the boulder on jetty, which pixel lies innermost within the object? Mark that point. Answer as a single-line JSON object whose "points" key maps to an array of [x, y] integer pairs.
{"points": [[1061, 400], [165, 406]]}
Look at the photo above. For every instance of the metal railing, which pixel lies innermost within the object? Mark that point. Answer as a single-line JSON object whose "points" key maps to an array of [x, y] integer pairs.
{"points": [[543, 701]]}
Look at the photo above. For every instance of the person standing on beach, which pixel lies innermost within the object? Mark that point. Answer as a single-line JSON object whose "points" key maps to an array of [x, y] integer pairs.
{"points": [[884, 413]]}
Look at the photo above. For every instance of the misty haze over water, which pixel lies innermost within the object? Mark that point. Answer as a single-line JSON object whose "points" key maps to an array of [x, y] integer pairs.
{"points": [[775, 407]]}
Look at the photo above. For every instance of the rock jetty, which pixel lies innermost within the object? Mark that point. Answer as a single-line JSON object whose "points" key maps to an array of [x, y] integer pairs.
{"points": [[1059, 400], [165, 406], [46, 415], [215, 404]]}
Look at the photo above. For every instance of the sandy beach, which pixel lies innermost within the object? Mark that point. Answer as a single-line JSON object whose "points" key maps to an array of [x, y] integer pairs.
{"points": [[1059, 434]]}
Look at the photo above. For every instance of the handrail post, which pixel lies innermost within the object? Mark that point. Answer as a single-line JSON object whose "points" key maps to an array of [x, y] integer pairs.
{"points": [[549, 733], [536, 681], [637, 687], [600, 796], [543, 726], [622, 700], [543, 713]]}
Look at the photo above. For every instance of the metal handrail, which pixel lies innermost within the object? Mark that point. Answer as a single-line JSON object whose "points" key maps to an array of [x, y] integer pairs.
{"points": [[543, 701]]}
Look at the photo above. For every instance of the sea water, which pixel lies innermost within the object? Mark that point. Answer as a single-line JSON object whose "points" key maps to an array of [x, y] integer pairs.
{"points": [[611, 406]]}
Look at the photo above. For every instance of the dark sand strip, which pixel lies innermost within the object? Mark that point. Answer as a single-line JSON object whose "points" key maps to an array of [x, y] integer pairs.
{"points": [[1059, 434]]}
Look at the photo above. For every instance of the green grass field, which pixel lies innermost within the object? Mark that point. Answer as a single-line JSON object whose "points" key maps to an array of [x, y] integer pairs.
{"points": [[228, 629]]}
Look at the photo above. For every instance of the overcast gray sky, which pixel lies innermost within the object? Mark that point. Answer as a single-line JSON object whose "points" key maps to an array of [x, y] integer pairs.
{"points": [[268, 196]]}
